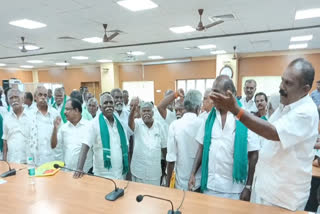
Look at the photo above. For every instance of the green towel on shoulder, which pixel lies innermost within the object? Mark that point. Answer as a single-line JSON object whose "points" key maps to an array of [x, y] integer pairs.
{"points": [[105, 138], [62, 115], [240, 158]]}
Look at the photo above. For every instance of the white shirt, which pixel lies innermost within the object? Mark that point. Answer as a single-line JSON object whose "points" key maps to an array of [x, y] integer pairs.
{"points": [[204, 115], [182, 148], [148, 142], [250, 106], [3, 111], [16, 131], [171, 116], [221, 151], [115, 172], [284, 169], [32, 107], [44, 123], [70, 140]]}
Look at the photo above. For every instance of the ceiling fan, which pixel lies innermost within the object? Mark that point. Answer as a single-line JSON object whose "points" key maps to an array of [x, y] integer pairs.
{"points": [[107, 38], [26, 46], [202, 27]]}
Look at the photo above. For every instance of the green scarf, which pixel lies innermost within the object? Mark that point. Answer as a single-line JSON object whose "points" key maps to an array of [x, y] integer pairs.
{"points": [[105, 138], [240, 157], [1, 133], [263, 118], [51, 100], [63, 116], [8, 108]]}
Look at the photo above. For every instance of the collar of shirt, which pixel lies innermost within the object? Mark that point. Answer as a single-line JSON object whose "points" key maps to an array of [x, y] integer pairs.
{"points": [[189, 116], [293, 105], [80, 123], [14, 114], [49, 111]]}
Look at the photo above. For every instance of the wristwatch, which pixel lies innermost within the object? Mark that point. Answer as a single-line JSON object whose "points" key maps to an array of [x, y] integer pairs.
{"points": [[249, 187]]}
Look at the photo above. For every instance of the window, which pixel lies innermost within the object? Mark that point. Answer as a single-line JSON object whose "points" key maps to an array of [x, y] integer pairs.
{"points": [[142, 89], [198, 84]]}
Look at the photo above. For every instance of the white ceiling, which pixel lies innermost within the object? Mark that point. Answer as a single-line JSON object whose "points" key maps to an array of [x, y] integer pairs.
{"points": [[84, 18]]}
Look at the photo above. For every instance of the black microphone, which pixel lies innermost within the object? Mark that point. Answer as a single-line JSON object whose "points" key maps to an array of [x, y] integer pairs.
{"points": [[139, 198], [112, 196], [11, 172]]}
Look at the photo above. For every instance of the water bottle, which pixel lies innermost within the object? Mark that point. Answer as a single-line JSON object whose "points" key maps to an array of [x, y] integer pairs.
{"points": [[31, 170]]}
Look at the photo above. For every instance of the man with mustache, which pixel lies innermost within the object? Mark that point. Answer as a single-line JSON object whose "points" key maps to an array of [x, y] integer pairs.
{"points": [[109, 143], [120, 111], [77, 95], [149, 142], [41, 129], [250, 87], [290, 135], [69, 137], [261, 101], [16, 130]]}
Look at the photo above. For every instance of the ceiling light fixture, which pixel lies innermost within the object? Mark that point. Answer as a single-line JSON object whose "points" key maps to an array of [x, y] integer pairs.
{"points": [[136, 53], [2, 64], [137, 5], [62, 64], [80, 57], [210, 46], [307, 14], [93, 40], [218, 52], [301, 38], [298, 46], [155, 57], [28, 24], [35, 61], [104, 60], [182, 29], [26, 66]]}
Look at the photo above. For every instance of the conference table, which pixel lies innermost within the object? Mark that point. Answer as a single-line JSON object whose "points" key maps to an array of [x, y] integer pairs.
{"points": [[61, 193]]}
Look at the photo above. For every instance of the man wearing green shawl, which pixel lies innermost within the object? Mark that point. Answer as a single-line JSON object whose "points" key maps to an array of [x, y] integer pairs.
{"points": [[289, 137], [109, 144], [224, 144], [60, 102]]}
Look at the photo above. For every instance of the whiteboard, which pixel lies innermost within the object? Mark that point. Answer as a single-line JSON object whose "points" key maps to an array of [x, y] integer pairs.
{"points": [[267, 84]]}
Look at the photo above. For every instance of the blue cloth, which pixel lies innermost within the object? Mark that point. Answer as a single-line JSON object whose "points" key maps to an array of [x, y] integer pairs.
{"points": [[315, 95]]}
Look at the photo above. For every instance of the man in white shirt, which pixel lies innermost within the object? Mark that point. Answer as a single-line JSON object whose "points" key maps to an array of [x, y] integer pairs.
{"points": [[126, 100], [111, 161], [207, 104], [93, 107], [225, 150], [71, 135], [290, 135], [149, 143], [59, 99], [50, 98], [250, 87], [29, 105], [16, 129], [182, 145], [41, 129], [120, 110]]}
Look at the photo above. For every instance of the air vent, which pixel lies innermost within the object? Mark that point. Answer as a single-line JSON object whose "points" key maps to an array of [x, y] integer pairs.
{"points": [[261, 44], [224, 17], [66, 38]]}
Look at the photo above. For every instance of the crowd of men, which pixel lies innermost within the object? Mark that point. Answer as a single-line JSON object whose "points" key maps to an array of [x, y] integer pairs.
{"points": [[257, 149]]}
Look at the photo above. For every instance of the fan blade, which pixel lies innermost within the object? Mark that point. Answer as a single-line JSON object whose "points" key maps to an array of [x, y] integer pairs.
{"points": [[105, 38], [213, 24], [112, 36]]}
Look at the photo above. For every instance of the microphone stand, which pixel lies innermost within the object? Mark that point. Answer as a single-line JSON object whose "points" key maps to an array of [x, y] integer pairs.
{"points": [[112, 196], [11, 172]]}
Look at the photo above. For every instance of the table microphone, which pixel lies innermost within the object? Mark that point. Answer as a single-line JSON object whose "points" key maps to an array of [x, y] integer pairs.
{"points": [[8, 173], [112, 196], [139, 198]]}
